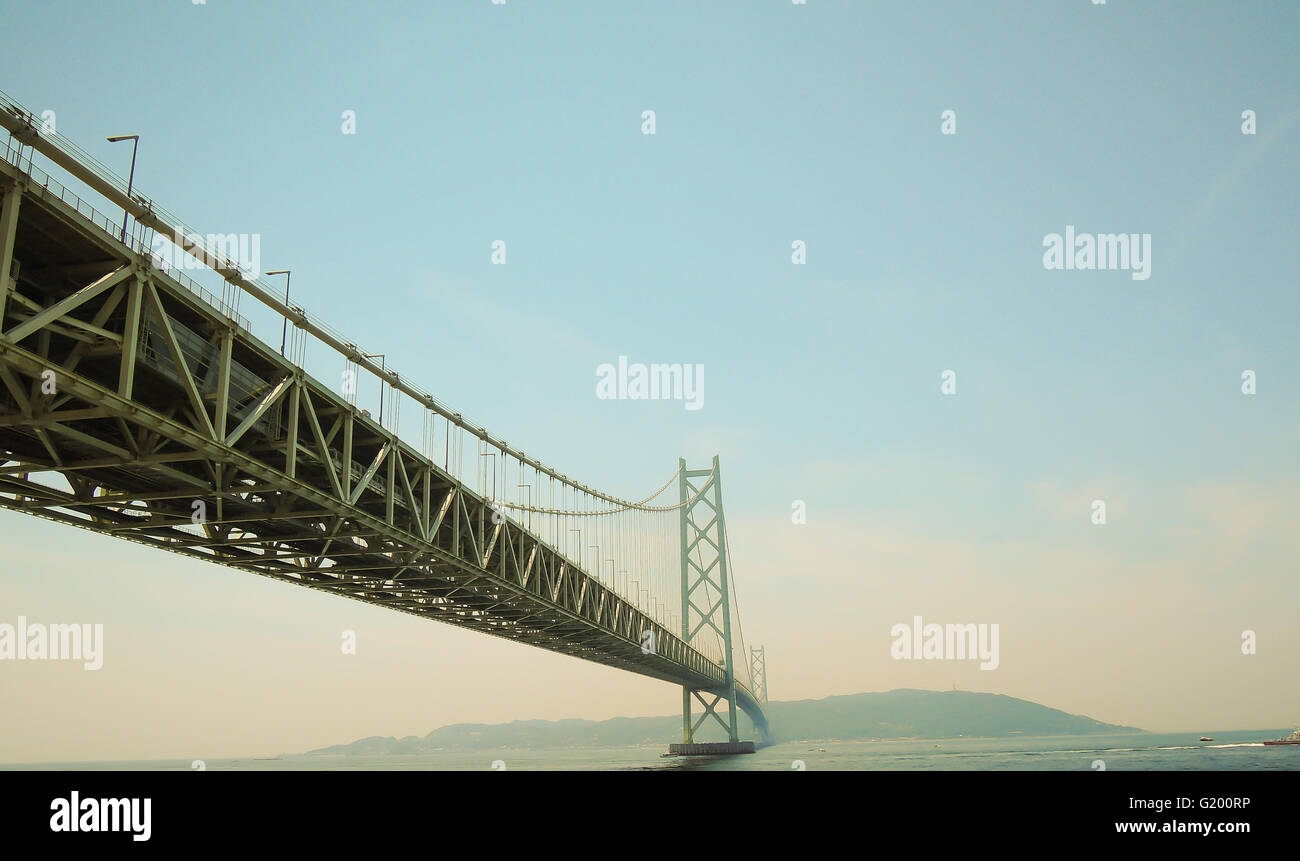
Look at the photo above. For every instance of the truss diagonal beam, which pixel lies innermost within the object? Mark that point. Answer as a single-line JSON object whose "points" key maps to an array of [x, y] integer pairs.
{"points": [[66, 305]]}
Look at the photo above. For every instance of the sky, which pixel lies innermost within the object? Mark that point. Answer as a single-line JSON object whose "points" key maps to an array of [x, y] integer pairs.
{"points": [[774, 123]]}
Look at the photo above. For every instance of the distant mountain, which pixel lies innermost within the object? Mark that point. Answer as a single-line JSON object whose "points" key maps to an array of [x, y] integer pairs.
{"points": [[895, 714], [926, 714]]}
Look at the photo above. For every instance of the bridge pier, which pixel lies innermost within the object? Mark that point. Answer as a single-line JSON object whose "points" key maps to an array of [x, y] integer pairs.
{"points": [[716, 748]]}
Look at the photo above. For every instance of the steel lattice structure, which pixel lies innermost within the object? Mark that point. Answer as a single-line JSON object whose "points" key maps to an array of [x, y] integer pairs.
{"points": [[156, 404], [758, 673]]}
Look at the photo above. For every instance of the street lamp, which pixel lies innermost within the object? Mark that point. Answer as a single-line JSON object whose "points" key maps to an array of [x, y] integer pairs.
{"points": [[284, 329], [135, 145]]}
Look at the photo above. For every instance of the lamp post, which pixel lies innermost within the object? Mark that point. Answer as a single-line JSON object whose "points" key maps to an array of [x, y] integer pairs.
{"points": [[284, 329], [135, 145]]}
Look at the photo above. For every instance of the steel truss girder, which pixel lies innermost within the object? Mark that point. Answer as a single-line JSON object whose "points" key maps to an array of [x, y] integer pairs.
{"points": [[571, 610], [297, 510]]}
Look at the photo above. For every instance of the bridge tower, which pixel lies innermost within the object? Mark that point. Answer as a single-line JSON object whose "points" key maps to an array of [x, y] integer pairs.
{"points": [[705, 568], [758, 673]]}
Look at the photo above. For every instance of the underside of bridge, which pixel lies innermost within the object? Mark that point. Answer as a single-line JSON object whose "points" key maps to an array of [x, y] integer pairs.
{"points": [[136, 405]]}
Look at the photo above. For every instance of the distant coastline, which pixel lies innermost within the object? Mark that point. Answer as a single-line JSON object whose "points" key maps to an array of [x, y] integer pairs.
{"points": [[897, 714]]}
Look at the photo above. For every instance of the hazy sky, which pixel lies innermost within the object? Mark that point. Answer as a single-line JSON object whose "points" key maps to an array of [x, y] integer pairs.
{"points": [[774, 123]]}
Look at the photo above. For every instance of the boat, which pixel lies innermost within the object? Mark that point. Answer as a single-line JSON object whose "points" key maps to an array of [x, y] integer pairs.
{"points": [[1206, 738], [1293, 738]]}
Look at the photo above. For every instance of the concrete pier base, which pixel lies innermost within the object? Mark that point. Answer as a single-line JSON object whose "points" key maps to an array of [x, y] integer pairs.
{"points": [[716, 748]]}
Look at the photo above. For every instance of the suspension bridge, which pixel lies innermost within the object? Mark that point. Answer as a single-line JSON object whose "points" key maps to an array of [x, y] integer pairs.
{"points": [[137, 402]]}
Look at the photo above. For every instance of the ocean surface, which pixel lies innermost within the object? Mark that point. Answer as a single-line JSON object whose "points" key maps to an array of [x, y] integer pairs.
{"points": [[1230, 751]]}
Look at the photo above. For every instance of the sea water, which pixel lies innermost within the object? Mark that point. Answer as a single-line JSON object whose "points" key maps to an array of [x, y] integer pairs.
{"points": [[1230, 751]]}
